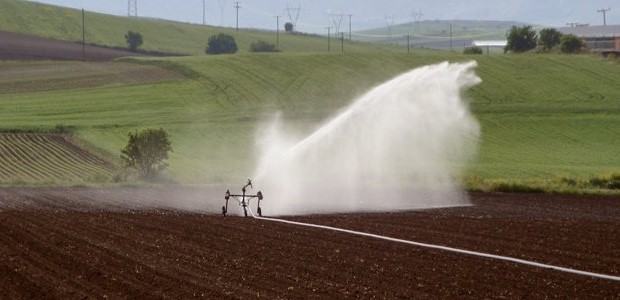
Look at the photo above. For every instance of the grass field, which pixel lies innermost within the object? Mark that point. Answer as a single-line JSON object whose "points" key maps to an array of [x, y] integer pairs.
{"points": [[159, 35], [545, 118]]}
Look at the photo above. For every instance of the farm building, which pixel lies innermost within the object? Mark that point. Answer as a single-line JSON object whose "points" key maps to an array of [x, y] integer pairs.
{"points": [[604, 39]]}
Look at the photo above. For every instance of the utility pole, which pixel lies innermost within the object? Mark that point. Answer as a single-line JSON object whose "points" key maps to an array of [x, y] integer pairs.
{"points": [[83, 37], [342, 41], [350, 17], [450, 37], [408, 44], [237, 6], [389, 22], [604, 11], [329, 29], [277, 32], [204, 12]]}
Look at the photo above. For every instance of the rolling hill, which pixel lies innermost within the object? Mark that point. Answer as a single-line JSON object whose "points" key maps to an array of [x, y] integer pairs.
{"points": [[159, 35]]}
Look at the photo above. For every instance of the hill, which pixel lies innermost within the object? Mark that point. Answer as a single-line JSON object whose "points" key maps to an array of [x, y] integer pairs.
{"points": [[159, 35], [438, 33], [547, 120]]}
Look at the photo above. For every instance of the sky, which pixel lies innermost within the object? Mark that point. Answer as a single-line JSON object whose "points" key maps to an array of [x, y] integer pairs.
{"points": [[315, 15]]}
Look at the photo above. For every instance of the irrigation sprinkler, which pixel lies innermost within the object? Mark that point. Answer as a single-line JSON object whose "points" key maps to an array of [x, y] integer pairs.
{"points": [[243, 199]]}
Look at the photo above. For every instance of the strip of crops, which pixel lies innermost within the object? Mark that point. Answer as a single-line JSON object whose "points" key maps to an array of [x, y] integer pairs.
{"points": [[48, 158]]}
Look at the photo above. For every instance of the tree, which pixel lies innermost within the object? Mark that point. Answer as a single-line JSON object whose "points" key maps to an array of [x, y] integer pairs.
{"points": [[221, 44], [571, 43], [288, 27], [147, 151], [549, 38], [520, 39], [472, 50], [262, 46], [134, 40]]}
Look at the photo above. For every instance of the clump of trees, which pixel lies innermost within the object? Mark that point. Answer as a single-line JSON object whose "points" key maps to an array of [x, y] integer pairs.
{"points": [[221, 44], [147, 151], [262, 46], [134, 40], [522, 39], [472, 50]]}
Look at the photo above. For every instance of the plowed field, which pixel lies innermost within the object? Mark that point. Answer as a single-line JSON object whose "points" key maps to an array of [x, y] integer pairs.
{"points": [[166, 242]]}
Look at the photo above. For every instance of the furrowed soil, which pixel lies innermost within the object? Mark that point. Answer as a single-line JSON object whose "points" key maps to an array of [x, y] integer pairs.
{"points": [[170, 242]]}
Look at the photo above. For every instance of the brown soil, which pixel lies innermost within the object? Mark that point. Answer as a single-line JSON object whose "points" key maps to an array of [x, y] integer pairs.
{"points": [[17, 46], [168, 242]]}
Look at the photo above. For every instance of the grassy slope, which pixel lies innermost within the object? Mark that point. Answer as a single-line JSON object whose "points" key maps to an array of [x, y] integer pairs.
{"points": [[543, 117], [66, 24]]}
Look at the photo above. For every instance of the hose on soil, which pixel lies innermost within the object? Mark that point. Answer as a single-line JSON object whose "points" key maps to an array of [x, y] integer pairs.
{"points": [[444, 248]]}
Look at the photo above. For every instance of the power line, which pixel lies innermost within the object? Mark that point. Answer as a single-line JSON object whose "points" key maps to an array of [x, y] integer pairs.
{"points": [[237, 6], [293, 15], [604, 11], [337, 20]]}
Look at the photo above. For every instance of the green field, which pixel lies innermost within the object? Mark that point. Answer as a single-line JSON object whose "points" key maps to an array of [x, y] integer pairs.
{"points": [[159, 35], [548, 122]]}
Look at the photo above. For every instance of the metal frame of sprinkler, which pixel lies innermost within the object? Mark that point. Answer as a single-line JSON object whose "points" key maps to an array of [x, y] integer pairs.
{"points": [[243, 199]]}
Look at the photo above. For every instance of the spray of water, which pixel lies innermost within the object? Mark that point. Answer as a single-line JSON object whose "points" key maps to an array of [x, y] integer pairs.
{"points": [[399, 146]]}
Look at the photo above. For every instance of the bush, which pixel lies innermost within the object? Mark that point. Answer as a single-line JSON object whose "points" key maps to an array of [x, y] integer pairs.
{"points": [[472, 50], [262, 46], [147, 151], [549, 38], [221, 44], [571, 43], [608, 182], [521, 39], [134, 40]]}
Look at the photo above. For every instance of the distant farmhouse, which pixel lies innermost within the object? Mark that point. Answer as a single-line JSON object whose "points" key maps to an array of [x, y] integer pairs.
{"points": [[602, 39]]}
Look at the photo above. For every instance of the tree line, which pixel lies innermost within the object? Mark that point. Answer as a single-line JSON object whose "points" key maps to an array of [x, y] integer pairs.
{"points": [[524, 39]]}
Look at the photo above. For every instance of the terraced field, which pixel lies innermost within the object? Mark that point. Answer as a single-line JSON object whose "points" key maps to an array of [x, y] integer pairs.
{"points": [[48, 158]]}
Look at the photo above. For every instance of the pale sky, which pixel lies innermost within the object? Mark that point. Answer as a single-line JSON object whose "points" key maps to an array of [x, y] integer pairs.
{"points": [[315, 15]]}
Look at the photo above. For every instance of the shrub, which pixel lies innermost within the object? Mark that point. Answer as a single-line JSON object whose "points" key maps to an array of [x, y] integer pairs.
{"points": [[472, 50], [134, 40], [262, 46], [288, 27], [221, 44], [147, 151], [571, 43], [607, 182]]}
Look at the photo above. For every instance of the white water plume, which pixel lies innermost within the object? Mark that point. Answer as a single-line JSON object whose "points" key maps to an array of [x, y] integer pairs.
{"points": [[402, 145]]}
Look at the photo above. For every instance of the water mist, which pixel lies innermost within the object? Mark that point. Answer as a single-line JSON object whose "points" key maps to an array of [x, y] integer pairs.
{"points": [[402, 145]]}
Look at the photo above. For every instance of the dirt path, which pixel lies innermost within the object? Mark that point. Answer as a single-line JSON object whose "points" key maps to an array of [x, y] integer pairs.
{"points": [[76, 243]]}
